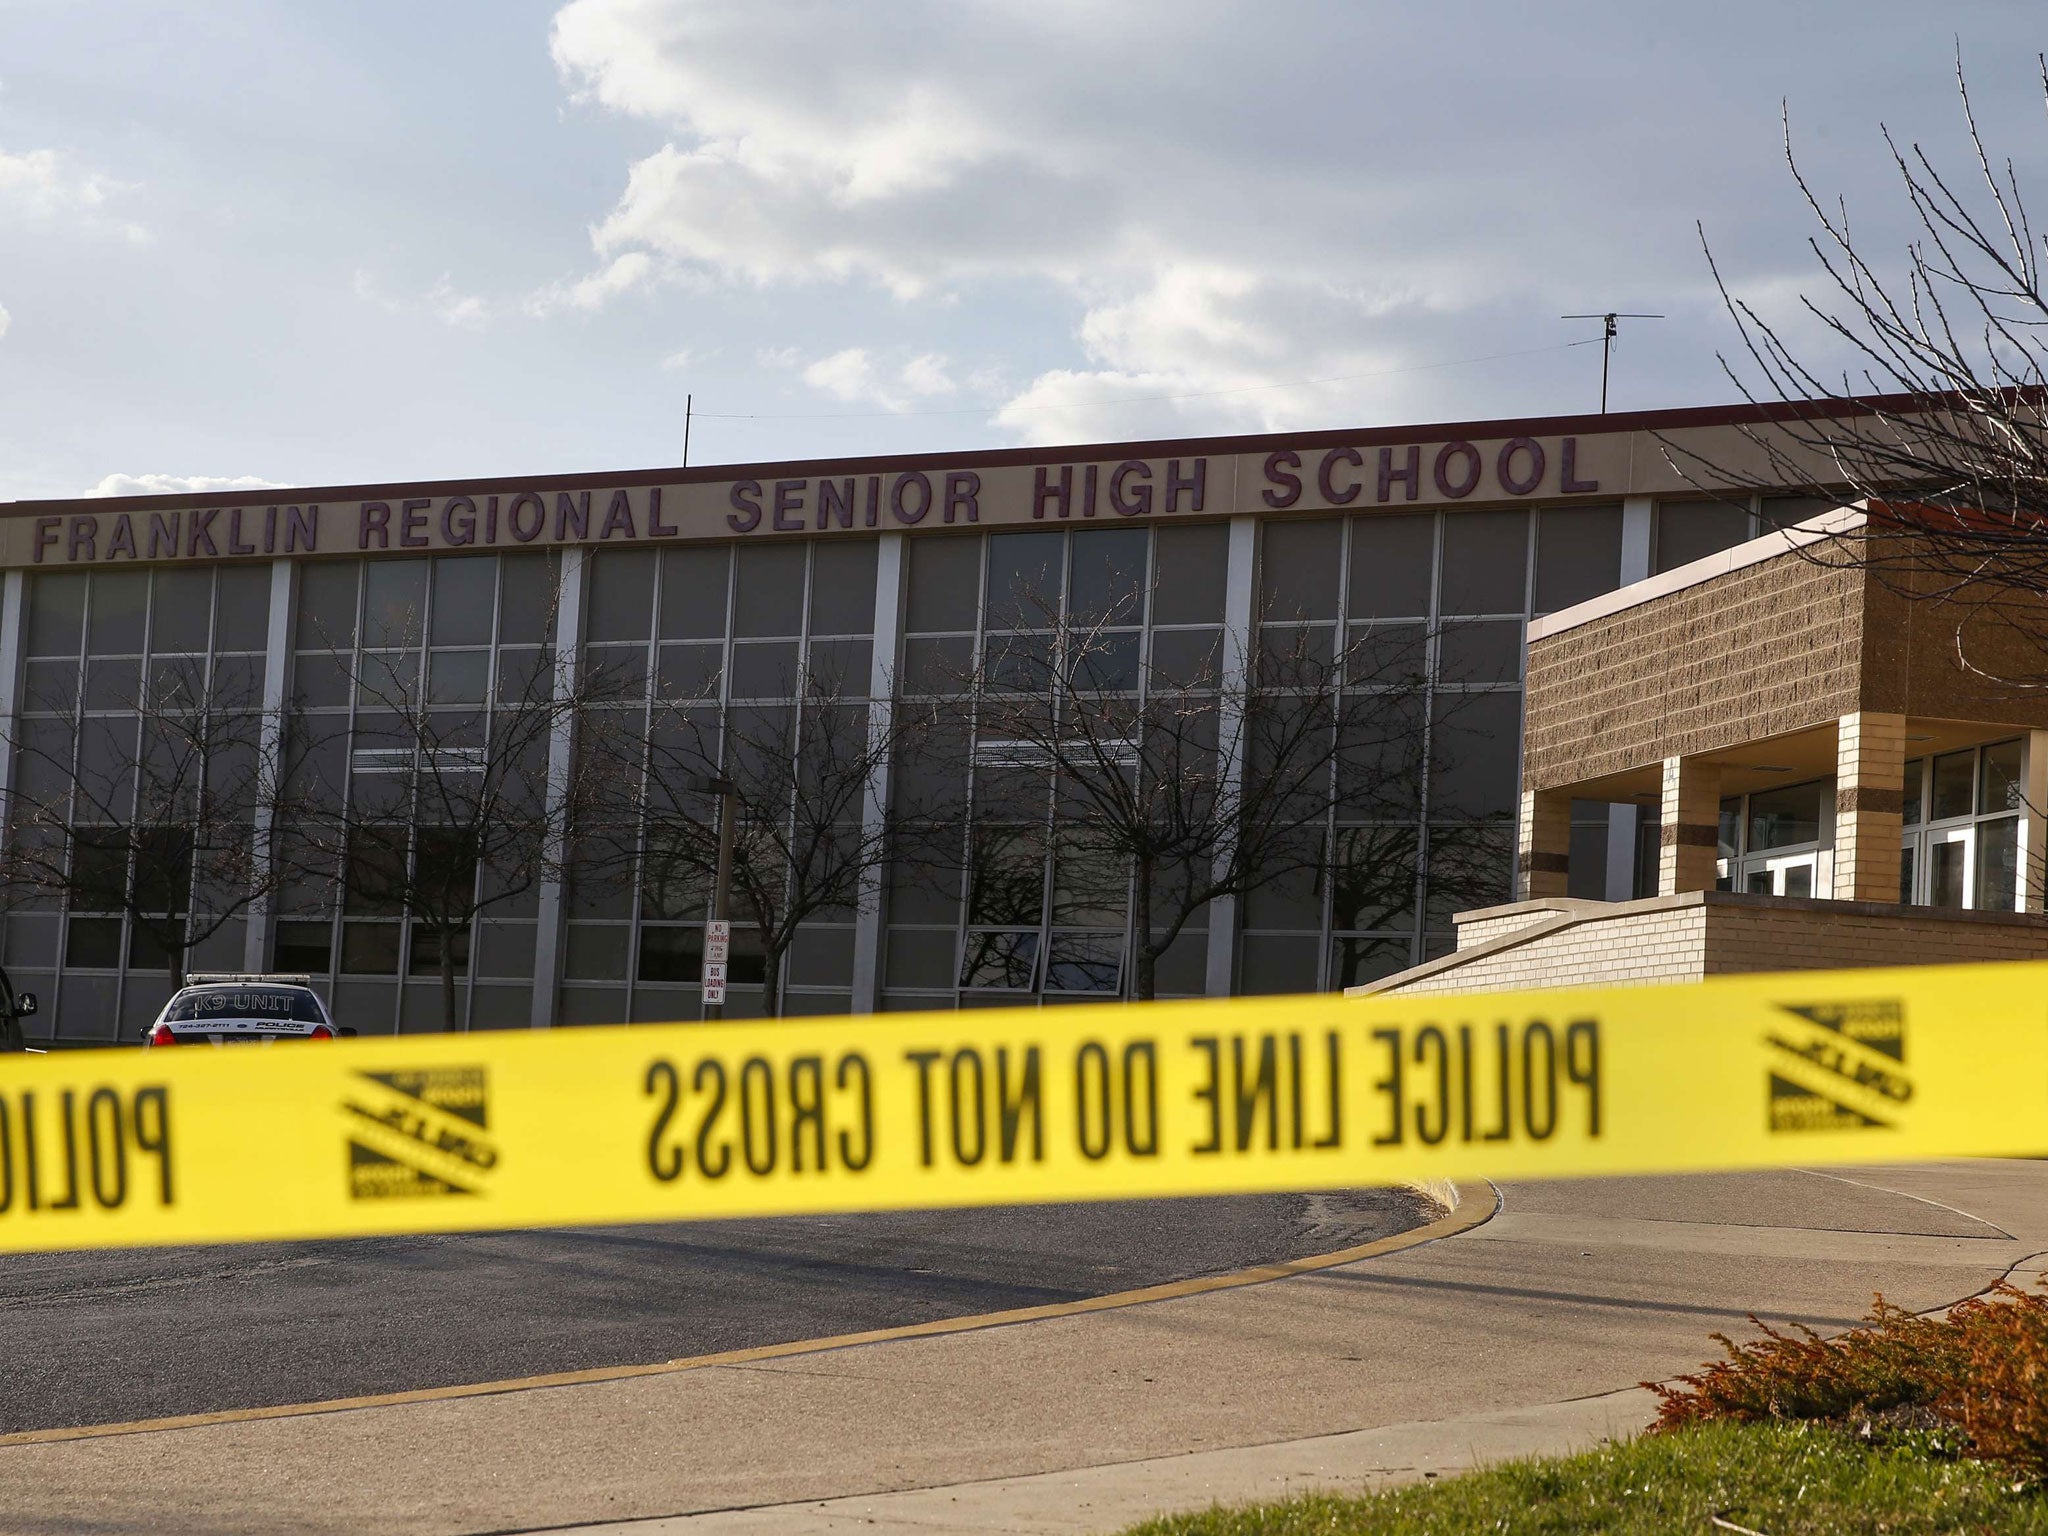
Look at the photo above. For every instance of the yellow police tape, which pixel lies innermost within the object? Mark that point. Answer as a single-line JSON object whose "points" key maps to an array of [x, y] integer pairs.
{"points": [[674, 1122]]}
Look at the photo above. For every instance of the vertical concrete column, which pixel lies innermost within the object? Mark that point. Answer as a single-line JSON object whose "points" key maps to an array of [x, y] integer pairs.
{"points": [[13, 635], [277, 681], [1870, 782], [1691, 827], [1543, 845], [547, 941], [1238, 595], [2033, 823], [1638, 522], [869, 914]]}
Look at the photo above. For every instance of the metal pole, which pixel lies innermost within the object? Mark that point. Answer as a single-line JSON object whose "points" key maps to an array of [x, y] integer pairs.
{"points": [[1606, 356], [721, 885], [688, 404]]}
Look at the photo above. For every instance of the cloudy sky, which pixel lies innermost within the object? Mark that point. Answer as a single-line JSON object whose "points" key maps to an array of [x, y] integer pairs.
{"points": [[346, 240]]}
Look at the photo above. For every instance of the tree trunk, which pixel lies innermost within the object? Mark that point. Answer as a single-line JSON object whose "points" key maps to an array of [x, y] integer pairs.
{"points": [[448, 980], [1144, 983], [771, 980]]}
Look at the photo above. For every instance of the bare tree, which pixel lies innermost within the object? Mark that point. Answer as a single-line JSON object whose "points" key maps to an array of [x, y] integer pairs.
{"points": [[807, 769], [161, 807], [1938, 417], [452, 811], [1177, 783]]}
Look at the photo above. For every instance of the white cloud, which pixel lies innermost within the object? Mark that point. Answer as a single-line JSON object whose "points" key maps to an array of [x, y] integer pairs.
{"points": [[169, 485], [5, 320], [48, 185], [853, 375], [444, 301], [622, 274]]}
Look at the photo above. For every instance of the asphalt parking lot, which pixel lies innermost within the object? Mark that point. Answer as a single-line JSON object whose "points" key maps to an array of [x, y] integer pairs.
{"points": [[105, 1337]]}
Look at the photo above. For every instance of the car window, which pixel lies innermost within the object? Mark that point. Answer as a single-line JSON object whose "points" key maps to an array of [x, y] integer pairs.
{"points": [[293, 1003]]}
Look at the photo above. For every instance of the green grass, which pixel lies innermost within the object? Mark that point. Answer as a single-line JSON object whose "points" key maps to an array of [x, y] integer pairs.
{"points": [[1780, 1479]]}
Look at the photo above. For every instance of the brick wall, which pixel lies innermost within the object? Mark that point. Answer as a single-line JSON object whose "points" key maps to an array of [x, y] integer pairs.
{"points": [[1761, 651], [1710, 933]]}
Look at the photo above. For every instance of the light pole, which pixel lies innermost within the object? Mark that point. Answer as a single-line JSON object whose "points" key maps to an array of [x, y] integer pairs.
{"points": [[718, 937]]}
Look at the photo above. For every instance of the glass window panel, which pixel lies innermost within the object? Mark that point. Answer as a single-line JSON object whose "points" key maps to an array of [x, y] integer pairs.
{"points": [[764, 670], [56, 614], [394, 602], [369, 949], [425, 958], [1108, 581], [51, 686], [1477, 742], [1354, 962], [1191, 567], [1799, 880], [1007, 882], [1955, 775], [1390, 563], [93, 943], [504, 949], [1486, 562], [1692, 530], [113, 684], [181, 609], [458, 677], [242, 608], [769, 590], [937, 666], [1728, 844], [2000, 786], [120, 603], [1373, 881], [620, 605], [1024, 580], [945, 585], [179, 682], [304, 947], [1091, 882], [1019, 663], [1787, 817], [596, 952], [689, 671], [822, 957], [1108, 661], [671, 953], [327, 605], [1186, 658], [1293, 899], [1578, 555], [1915, 790], [1586, 878], [1946, 859], [693, 593], [616, 672], [843, 587], [465, 589], [1784, 511], [1274, 963], [921, 957], [527, 599], [1296, 655], [1084, 962], [841, 669], [525, 673], [1469, 867], [388, 678], [1998, 865], [1006, 959], [320, 680], [1394, 655], [1489, 652], [1907, 865], [1299, 563]]}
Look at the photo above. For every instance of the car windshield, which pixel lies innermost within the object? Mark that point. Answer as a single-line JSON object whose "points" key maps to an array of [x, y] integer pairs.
{"points": [[294, 1003]]}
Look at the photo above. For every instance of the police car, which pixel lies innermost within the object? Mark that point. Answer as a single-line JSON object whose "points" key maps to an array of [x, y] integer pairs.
{"points": [[230, 1009]]}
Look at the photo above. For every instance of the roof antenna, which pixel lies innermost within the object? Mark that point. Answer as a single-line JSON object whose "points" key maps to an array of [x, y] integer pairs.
{"points": [[690, 401], [1607, 342]]}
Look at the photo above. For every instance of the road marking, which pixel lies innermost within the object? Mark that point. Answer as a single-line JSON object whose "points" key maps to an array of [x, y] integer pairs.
{"points": [[1475, 1206]]}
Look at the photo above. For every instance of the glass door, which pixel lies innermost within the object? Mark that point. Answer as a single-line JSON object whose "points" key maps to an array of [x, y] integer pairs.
{"points": [[1951, 860], [1795, 874]]}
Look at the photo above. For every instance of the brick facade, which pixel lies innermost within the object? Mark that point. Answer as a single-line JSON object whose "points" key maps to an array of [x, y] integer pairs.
{"points": [[1762, 651], [1664, 939]]}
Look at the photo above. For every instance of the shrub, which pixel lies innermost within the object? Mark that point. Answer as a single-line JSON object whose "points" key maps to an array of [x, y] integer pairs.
{"points": [[1981, 1370]]}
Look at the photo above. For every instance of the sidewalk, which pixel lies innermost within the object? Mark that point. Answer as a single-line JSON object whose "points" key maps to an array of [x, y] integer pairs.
{"points": [[1504, 1340]]}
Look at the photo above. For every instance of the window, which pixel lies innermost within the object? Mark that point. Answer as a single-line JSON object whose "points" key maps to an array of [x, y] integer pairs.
{"points": [[1961, 836], [1691, 530]]}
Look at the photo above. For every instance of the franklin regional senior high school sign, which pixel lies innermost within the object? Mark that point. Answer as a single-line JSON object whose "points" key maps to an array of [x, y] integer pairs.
{"points": [[810, 499]]}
